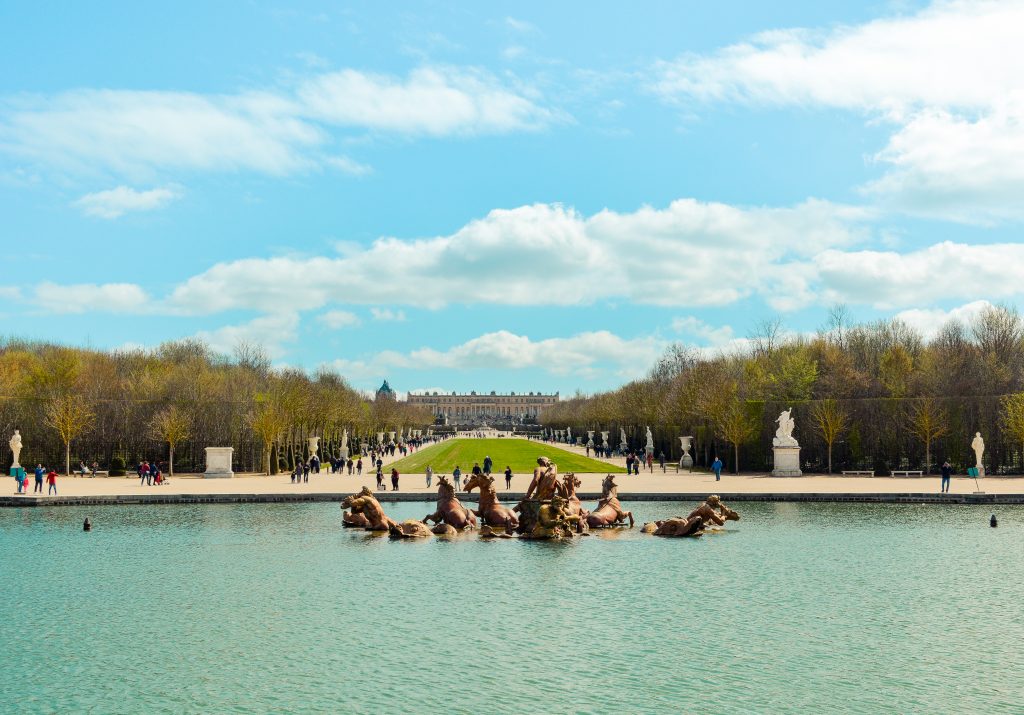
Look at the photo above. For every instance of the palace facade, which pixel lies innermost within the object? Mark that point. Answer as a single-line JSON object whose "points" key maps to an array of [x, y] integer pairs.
{"points": [[474, 408]]}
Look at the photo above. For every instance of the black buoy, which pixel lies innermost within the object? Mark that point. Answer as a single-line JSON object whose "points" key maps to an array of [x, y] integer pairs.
{"points": [[87, 525], [993, 522]]}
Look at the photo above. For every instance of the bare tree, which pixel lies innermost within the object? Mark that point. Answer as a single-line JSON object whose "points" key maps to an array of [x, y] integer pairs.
{"points": [[928, 421], [171, 425], [829, 420], [69, 417]]}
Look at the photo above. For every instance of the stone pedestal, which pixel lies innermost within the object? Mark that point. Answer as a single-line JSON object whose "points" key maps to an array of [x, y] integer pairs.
{"points": [[218, 463], [686, 462], [787, 462]]}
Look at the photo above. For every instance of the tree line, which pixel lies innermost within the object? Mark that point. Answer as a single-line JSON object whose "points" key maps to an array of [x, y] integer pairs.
{"points": [[168, 404], [864, 396]]}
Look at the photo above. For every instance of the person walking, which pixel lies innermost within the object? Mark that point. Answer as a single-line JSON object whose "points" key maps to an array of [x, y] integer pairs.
{"points": [[394, 479], [508, 477], [488, 464], [350, 466], [476, 469], [430, 475], [661, 460], [457, 478], [359, 468], [650, 462], [51, 479], [305, 471], [629, 463], [39, 472], [380, 479], [947, 472], [716, 467]]}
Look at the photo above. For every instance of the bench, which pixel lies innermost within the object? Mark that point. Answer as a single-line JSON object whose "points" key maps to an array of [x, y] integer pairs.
{"points": [[869, 472], [908, 472]]}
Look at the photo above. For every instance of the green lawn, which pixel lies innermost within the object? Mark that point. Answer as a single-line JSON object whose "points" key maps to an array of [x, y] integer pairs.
{"points": [[520, 454]]}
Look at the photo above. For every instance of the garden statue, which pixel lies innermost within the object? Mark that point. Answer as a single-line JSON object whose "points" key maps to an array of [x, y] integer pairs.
{"points": [[609, 511], [380, 438], [590, 439], [676, 526], [491, 512], [567, 490], [354, 521], [545, 478], [16, 449], [649, 447], [784, 434], [686, 461], [623, 444], [449, 509], [604, 442], [343, 452], [314, 446], [568, 435], [706, 511], [410, 529], [366, 504], [978, 445]]}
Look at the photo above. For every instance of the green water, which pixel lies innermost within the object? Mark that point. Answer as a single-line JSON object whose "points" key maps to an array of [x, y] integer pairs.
{"points": [[271, 608]]}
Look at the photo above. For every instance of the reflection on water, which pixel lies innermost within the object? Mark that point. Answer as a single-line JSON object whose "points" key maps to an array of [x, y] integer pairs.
{"points": [[797, 607]]}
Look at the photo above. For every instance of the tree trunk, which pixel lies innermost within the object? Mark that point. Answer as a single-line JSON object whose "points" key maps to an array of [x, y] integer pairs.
{"points": [[829, 457], [267, 450], [67, 459], [736, 457], [170, 463], [927, 456]]}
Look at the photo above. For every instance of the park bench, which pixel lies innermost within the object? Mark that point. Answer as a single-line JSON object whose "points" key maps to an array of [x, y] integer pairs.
{"points": [[908, 472], [869, 472]]}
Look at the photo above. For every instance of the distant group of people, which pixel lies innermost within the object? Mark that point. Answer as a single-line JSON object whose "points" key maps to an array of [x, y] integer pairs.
{"points": [[41, 473], [149, 474], [477, 469]]}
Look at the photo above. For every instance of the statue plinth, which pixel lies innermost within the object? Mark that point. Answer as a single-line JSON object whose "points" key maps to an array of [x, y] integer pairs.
{"points": [[218, 463], [787, 458], [686, 462]]}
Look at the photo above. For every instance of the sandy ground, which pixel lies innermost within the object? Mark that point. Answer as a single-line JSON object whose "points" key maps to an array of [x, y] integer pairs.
{"points": [[646, 482], [669, 482]]}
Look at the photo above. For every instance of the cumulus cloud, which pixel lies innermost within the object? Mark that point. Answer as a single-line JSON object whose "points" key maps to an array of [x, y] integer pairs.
{"points": [[943, 271], [928, 322], [272, 332], [690, 253], [91, 297], [386, 314], [950, 78], [587, 355], [278, 132], [113, 203], [695, 327], [337, 319]]}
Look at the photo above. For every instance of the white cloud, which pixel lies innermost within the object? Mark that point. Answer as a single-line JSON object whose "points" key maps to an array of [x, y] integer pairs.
{"points": [[714, 336], [950, 78], [952, 54], [271, 332], [940, 272], [950, 166], [587, 355], [91, 297], [690, 253], [387, 314], [520, 25], [349, 165], [337, 319], [928, 322], [281, 131], [116, 202]]}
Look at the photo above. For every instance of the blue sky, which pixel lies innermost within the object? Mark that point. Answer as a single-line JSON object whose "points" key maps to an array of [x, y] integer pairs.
{"points": [[506, 196]]}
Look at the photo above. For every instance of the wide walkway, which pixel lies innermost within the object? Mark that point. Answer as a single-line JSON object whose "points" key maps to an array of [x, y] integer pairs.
{"points": [[646, 482]]}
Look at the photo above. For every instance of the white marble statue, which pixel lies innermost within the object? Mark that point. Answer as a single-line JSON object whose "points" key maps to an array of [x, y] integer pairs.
{"points": [[16, 448], [604, 441], [392, 436], [623, 444], [649, 447], [568, 435], [978, 445], [343, 450], [784, 434], [590, 439]]}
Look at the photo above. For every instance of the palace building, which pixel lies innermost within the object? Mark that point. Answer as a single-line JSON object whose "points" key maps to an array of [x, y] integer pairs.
{"points": [[474, 408]]}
